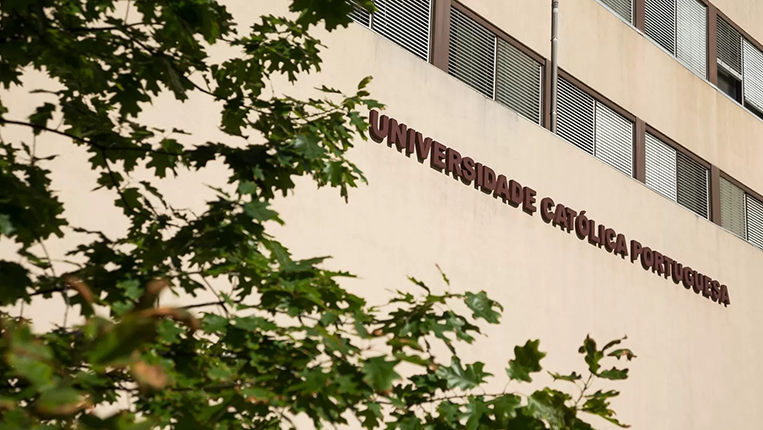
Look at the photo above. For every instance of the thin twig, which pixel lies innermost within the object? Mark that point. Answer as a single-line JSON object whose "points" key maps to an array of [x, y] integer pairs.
{"points": [[221, 302]]}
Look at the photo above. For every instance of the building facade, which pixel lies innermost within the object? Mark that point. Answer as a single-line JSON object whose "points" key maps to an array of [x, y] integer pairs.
{"points": [[642, 215]]}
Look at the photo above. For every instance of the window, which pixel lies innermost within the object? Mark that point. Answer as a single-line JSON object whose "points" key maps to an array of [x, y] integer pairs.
{"points": [[730, 84], [494, 67], [740, 68], [752, 73], [679, 26], [676, 176], [405, 22], [624, 8], [729, 59], [595, 128], [733, 208], [741, 213]]}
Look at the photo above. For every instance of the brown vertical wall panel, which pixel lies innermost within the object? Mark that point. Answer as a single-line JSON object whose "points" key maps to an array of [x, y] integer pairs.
{"points": [[638, 14], [547, 95], [639, 156], [712, 44], [715, 195], [441, 34]]}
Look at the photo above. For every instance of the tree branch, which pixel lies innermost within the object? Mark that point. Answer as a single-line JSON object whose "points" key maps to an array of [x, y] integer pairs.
{"points": [[87, 141]]}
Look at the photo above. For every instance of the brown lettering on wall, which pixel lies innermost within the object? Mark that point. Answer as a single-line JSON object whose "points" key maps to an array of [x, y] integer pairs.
{"points": [[528, 203], [398, 135], [501, 188], [454, 162], [450, 162], [379, 126], [437, 158]]}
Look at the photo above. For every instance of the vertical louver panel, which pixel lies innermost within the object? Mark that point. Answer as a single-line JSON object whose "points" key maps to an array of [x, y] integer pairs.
{"points": [[471, 53], [753, 75], [360, 15], [732, 208], [660, 23], [660, 167], [518, 81], [691, 33], [624, 8], [692, 185], [755, 221], [405, 22], [614, 139], [575, 116], [729, 47]]}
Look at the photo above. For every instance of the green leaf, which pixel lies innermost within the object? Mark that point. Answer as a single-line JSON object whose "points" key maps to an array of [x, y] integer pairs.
{"points": [[14, 281], [463, 378], [131, 288], [117, 344], [220, 373], [214, 323], [620, 353], [483, 307], [598, 404], [259, 211], [505, 408], [371, 416], [6, 226], [247, 187], [41, 116], [549, 405], [29, 358], [592, 355], [475, 409], [526, 360], [572, 377], [379, 373], [307, 145], [614, 374], [59, 402]]}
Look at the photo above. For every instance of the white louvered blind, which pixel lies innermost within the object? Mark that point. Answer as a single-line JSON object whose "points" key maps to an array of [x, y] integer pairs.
{"points": [[624, 8], [471, 53], [660, 22], [732, 208], [691, 31], [754, 221], [614, 139], [729, 48], [660, 163], [360, 15], [405, 22], [679, 26], [518, 81], [692, 189], [575, 116], [753, 75]]}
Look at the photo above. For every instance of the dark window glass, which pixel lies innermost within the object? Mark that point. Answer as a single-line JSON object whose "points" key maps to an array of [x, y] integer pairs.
{"points": [[752, 109], [729, 85]]}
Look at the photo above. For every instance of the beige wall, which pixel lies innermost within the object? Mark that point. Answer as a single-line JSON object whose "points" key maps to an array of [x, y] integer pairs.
{"points": [[625, 66], [698, 363]]}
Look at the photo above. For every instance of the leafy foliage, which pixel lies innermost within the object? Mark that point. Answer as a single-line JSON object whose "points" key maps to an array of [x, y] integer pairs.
{"points": [[283, 340]]}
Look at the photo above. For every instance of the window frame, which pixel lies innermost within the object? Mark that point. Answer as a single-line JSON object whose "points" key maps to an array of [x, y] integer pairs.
{"points": [[598, 97], [681, 149], [440, 54]]}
